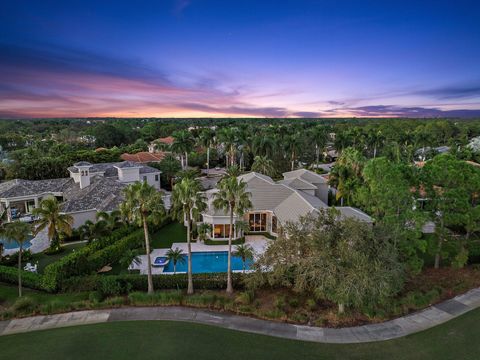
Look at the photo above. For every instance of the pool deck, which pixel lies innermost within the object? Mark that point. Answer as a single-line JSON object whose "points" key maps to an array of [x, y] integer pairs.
{"points": [[39, 244], [258, 243]]}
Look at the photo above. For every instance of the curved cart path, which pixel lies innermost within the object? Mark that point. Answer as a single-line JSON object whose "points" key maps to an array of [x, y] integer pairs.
{"points": [[422, 320]]}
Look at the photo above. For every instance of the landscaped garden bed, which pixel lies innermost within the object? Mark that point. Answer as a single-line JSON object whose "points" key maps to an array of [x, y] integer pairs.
{"points": [[428, 288]]}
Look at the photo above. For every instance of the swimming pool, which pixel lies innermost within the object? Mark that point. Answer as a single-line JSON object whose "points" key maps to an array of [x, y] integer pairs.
{"points": [[8, 245], [209, 262]]}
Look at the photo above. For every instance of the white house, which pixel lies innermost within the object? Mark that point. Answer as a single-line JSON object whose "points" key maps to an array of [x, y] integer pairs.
{"points": [[89, 189], [274, 203]]}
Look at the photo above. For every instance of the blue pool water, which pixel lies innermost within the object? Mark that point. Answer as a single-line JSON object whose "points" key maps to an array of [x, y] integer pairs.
{"points": [[7, 245], [209, 262]]}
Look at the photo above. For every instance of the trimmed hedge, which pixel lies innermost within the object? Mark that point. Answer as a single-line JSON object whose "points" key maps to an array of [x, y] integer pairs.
{"points": [[225, 242], [31, 280], [266, 234], [82, 262], [121, 284]]}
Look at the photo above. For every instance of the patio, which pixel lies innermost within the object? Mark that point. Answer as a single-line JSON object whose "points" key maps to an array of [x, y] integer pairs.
{"points": [[259, 244]]}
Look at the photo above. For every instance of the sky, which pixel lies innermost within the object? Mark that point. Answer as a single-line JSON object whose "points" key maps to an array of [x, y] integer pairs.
{"points": [[239, 58]]}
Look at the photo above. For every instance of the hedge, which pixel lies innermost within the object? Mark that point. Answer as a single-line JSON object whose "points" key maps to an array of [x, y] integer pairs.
{"points": [[225, 242], [122, 284], [31, 280], [77, 263]]}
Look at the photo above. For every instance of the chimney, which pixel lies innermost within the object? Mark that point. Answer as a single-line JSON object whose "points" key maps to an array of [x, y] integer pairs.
{"points": [[84, 173]]}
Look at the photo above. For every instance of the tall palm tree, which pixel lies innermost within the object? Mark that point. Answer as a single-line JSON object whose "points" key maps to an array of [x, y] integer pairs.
{"points": [[245, 252], [229, 137], [169, 166], [263, 165], [234, 198], [182, 145], [53, 220], [293, 145], [188, 202], [175, 256], [19, 232], [144, 204], [319, 136], [207, 139]]}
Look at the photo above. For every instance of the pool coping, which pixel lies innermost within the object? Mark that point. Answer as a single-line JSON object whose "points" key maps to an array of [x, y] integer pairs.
{"points": [[392, 329]]}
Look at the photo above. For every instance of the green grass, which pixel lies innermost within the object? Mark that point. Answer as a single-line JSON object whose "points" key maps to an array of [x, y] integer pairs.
{"points": [[169, 234], [9, 294], [44, 259], [457, 339]]}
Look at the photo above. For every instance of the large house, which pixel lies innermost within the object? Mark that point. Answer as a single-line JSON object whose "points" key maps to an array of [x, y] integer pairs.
{"points": [[89, 189], [300, 193]]}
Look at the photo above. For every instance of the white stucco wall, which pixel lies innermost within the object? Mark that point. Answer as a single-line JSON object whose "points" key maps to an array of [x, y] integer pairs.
{"points": [[128, 175], [151, 179], [79, 218]]}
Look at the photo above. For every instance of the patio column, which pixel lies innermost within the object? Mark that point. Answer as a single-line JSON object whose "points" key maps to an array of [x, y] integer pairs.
{"points": [[9, 212], [36, 202]]}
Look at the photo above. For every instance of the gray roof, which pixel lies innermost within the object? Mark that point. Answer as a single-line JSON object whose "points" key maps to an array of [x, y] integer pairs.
{"points": [[82, 163], [298, 183], [18, 187], [285, 201], [265, 194], [348, 211], [127, 164], [111, 169], [103, 194], [306, 175]]}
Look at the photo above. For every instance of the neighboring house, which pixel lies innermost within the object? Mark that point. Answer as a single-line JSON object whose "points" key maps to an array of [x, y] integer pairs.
{"points": [[275, 203], [427, 152], [166, 142], [145, 157], [89, 189]]}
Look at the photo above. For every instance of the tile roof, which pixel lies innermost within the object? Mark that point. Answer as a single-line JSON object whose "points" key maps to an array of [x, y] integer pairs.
{"points": [[18, 187], [169, 140], [144, 156], [103, 194]]}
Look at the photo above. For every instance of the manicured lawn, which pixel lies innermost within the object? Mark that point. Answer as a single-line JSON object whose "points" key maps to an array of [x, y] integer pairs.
{"points": [[166, 236], [457, 339], [44, 259], [9, 294]]}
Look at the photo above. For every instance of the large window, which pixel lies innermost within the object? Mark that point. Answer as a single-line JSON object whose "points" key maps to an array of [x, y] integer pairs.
{"points": [[221, 231], [258, 222]]}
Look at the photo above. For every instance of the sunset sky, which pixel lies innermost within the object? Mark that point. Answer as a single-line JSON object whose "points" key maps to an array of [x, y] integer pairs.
{"points": [[205, 58]]}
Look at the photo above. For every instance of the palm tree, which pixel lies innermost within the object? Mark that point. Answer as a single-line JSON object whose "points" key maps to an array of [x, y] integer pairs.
{"points": [[263, 165], [242, 227], [175, 256], [169, 167], [203, 230], [206, 139], [144, 204], [264, 145], [183, 144], [234, 198], [245, 252], [110, 221], [293, 144], [52, 219], [229, 137], [233, 170], [319, 136], [188, 202], [19, 232]]}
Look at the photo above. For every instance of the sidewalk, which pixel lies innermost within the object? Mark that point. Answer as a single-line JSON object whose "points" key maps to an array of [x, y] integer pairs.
{"points": [[392, 329]]}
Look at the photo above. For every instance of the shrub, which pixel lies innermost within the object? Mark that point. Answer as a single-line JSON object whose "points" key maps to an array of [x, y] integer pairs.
{"points": [[84, 260], [123, 284], [24, 305], [29, 279], [224, 242]]}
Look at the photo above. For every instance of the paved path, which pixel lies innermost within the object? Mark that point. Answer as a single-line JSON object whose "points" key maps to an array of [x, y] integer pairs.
{"points": [[406, 325]]}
